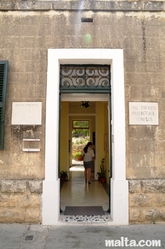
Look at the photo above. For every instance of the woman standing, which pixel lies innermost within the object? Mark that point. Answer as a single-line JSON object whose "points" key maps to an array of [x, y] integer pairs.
{"points": [[89, 157]]}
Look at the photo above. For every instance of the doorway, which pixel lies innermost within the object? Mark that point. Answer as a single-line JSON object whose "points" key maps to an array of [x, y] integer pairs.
{"points": [[94, 122], [51, 184]]}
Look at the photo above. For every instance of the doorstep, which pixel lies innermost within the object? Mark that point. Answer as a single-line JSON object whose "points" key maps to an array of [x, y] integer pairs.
{"points": [[85, 218]]}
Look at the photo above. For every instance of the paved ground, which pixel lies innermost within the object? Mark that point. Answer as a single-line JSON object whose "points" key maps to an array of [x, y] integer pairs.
{"points": [[17, 236]]}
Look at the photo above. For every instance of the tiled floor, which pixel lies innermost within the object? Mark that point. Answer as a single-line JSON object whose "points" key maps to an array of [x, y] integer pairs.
{"points": [[76, 192]]}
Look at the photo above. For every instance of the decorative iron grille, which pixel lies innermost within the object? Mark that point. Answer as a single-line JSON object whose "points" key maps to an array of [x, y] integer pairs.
{"points": [[85, 78]]}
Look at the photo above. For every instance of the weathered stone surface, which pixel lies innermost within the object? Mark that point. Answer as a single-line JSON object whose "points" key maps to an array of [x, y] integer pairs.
{"points": [[12, 215], [15, 186], [134, 186], [146, 200], [153, 214], [25, 40], [32, 215], [135, 215], [87, 5], [8, 200], [159, 199], [35, 186], [141, 200], [154, 5], [153, 186], [29, 201]]}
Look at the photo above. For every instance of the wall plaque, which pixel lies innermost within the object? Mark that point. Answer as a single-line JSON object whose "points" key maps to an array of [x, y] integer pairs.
{"points": [[143, 113], [26, 113]]}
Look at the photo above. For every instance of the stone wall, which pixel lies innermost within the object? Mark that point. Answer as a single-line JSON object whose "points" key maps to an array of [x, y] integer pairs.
{"points": [[147, 201], [26, 35], [20, 201], [24, 43]]}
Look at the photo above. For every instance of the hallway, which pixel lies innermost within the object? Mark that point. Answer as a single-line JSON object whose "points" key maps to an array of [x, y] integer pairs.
{"points": [[76, 192]]}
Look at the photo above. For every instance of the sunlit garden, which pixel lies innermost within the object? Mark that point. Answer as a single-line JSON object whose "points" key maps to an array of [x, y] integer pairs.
{"points": [[80, 137]]}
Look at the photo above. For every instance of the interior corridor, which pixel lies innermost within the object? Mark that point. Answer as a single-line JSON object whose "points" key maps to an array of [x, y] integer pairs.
{"points": [[76, 192]]}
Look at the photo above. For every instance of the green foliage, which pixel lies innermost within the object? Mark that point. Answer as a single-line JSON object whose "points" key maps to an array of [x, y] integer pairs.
{"points": [[64, 174], [102, 172], [80, 133], [78, 144], [80, 128], [77, 154], [80, 123]]}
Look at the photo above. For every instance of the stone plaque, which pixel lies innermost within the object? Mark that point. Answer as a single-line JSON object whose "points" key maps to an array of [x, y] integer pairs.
{"points": [[26, 113], [143, 113]]}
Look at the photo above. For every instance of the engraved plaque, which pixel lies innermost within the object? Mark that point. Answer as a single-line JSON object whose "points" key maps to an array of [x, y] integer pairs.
{"points": [[143, 113], [26, 113]]}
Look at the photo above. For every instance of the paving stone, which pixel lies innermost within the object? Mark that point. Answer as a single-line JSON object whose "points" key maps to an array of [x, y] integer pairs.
{"points": [[76, 235]]}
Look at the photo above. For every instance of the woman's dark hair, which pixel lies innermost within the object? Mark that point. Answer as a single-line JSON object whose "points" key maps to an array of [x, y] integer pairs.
{"points": [[86, 147]]}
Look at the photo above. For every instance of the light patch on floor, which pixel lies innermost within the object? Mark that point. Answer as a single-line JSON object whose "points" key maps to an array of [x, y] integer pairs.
{"points": [[77, 168]]}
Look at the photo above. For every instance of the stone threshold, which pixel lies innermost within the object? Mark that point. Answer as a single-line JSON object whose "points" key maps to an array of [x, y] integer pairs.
{"points": [[85, 218]]}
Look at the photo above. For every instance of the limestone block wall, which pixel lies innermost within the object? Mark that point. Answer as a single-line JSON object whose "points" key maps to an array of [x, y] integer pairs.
{"points": [[147, 201], [28, 29], [20, 201]]}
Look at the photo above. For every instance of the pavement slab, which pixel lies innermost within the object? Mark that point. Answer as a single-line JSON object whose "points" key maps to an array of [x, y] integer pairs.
{"points": [[83, 236]]}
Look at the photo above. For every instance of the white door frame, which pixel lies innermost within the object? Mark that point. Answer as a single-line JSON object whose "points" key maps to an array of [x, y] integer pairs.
{"points": [[51, 184]]}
